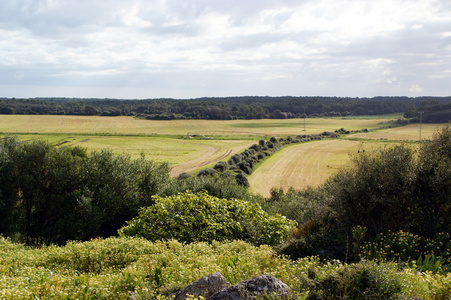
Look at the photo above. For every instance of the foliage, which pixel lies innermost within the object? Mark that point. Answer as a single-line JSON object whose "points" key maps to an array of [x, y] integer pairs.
{"points": [[119, 268], [376, 192], [190, 217], [228, 108], [56, 194], [405, 248], [223, 185], [432, 206], [396, 189], [390, 190], [365, 280], [298, 205]]}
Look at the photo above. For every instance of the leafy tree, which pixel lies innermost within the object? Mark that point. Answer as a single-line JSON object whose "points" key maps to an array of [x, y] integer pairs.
{"points": [[377, 191], [64, 193], [432, 206]]}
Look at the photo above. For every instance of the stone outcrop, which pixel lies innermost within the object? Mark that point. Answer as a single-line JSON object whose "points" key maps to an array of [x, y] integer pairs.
{"points": [[255, 288], [205, 287]]}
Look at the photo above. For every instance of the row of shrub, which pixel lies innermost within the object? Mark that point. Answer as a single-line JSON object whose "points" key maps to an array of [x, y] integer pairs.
{"points": [[242, 164]]}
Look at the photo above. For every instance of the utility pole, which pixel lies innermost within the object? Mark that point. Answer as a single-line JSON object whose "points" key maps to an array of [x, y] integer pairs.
{"points": [[304, 118], [421, 121]]}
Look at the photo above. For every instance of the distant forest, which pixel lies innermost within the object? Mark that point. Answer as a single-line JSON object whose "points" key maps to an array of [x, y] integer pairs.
{"points": [[433, 109]]}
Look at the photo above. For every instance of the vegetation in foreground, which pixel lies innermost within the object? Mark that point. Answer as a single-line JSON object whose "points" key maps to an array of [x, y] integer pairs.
{"points": [[117, 268], [392, 205]]}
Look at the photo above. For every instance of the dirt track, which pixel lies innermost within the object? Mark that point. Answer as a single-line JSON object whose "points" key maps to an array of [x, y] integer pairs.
{"points": [[212, 155]]}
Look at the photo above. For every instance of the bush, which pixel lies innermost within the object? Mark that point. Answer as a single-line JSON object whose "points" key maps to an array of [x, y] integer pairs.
{"points": [[190, 217], [405, 248], [365, 280], [221, 166], [224, 185], [377, 192], [57, 194], [206, 172]]}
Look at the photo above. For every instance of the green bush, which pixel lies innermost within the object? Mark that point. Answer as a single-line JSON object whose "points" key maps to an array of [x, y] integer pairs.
{"points": [[365, 280], [377, 192], [397, 188], [409, 249], [190, 217], [57, 194]]}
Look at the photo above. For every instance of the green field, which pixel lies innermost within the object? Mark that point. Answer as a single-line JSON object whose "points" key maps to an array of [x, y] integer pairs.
{"points": [[211, 141]]}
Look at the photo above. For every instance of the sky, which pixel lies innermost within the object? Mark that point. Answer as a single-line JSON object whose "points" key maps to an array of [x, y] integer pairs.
{"points": [[217, 48]]}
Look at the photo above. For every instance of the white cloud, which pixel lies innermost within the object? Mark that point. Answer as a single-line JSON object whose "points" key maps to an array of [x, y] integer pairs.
{"points": [[215, 47]]}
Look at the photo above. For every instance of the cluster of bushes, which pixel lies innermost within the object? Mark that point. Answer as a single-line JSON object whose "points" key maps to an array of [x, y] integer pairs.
{"points": [[54, 194]]}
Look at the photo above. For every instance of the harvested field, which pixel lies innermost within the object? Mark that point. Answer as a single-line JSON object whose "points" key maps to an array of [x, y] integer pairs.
{"points": [[132, 126], [306, 164], [405, 133]]}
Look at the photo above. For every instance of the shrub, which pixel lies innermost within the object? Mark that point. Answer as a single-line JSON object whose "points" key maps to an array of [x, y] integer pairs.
{"points": [[217, 185], [190, 217], [206, 172], [221, 166], [377, 192], [241, 180], [406, 249], [365, 280], [56, 194]]}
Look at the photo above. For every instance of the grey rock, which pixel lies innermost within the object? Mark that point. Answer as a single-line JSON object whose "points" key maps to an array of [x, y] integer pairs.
{"points": [[255, 288], [205, 287]]}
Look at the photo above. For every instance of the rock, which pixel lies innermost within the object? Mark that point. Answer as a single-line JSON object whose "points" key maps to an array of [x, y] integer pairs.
{"points": [[255, 288], [205, 287]]}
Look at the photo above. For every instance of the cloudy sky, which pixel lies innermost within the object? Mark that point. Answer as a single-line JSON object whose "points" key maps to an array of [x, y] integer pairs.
{"points": [[195, 48]]}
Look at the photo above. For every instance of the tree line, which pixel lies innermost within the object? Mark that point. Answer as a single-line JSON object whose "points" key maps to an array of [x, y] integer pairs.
{"points": [[228, 108]]}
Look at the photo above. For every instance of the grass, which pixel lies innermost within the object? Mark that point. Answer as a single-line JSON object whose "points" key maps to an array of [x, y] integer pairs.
{"points": [[45, 124], [212, 141], [306, 164], [117, 268], [410, 132]]}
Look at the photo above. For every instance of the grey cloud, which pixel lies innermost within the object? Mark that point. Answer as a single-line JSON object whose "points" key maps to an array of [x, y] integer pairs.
{"points": [[108, 44]]}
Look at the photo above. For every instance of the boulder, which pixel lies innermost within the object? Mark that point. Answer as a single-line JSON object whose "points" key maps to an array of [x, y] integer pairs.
{"points": [[255, 288], [205, 287]]}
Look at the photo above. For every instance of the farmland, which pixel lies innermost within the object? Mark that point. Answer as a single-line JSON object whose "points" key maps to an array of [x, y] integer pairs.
{"points": [[211, 141], [94, 194], [306, 164]]}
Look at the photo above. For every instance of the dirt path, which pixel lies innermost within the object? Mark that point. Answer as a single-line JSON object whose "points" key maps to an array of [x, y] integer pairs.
{"points": [[212, 155]]}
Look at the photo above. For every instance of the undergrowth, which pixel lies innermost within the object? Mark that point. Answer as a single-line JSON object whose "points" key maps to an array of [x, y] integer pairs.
{"points": [[119, 268]]}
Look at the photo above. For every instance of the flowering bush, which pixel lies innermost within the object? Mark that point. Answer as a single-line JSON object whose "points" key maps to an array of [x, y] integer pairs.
{"points": [[190, 217]]}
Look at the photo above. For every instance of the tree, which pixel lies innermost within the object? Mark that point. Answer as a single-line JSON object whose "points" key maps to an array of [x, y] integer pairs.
{"points": [[64, 193]]}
